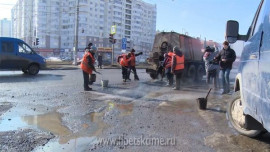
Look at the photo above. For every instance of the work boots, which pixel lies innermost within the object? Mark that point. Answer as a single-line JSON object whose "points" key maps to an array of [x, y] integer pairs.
{"points": [[136, 78], [87, 89]]}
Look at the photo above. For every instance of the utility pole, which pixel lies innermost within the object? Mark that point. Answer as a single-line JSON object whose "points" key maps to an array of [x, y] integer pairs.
{"points": [[76, 32], [112, 53]]}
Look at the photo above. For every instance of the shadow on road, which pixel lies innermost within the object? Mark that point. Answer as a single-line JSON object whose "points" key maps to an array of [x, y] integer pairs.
{"points": [[11, 78]]}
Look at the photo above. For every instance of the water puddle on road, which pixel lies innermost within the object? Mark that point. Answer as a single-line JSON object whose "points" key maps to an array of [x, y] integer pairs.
{"points": [[125, 109], [90, 127], [178, 107], [52, 122]]}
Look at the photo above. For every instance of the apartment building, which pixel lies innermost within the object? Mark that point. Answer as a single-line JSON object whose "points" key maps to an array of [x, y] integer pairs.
{"points": [[5, 28], [53, 22]]}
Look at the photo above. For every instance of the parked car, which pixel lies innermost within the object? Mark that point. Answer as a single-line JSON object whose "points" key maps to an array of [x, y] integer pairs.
{"points": [[16, 54], [249, 111]]}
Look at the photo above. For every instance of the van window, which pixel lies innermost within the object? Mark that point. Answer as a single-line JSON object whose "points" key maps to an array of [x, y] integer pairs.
{"points": [[7, 47], [260, 18], [24, 49]]}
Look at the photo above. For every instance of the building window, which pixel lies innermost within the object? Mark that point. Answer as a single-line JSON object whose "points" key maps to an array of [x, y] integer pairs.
{"points": [[127, 32]]}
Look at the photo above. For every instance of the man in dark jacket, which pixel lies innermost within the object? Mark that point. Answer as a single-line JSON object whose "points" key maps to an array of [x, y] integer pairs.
{"points": [[226, 57], [100, 60]]}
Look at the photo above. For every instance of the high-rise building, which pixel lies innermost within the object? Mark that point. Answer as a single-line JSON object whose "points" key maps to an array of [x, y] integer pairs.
{"points": [[53, 22], [5, 28]]}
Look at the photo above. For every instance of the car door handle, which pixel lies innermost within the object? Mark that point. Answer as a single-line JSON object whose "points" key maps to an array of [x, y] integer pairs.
{"points": [[253, 56]]}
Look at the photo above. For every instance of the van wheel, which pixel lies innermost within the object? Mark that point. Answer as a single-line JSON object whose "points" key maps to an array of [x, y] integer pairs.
{"points": [[33, 69], [236, 116], [25, 71]]}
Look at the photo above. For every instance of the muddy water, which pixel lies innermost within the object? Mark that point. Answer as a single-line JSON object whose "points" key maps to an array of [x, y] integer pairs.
{"points": [[177, 106], [66, 139]]}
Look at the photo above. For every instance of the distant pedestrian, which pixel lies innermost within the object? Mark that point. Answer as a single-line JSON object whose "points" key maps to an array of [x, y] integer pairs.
{"points": [[211, 67], [167, 64], [124, 61], [178, 65], [226, 57], [89, 46], [99, 60], [133, 64], [87, 66]]}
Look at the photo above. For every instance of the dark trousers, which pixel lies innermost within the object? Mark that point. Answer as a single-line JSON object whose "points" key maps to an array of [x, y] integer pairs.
{"points": [[211, 75], [178, 76], [226, 79], [100, 64], [169, 76], [125, 72], [133, 69], [85, 80]]}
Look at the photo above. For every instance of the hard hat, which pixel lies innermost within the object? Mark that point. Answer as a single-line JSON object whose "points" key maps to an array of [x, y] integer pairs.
{"points": [[93, 49]]}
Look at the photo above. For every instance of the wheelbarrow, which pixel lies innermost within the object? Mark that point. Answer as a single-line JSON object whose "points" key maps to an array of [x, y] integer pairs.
{"points": [[202, 102]]}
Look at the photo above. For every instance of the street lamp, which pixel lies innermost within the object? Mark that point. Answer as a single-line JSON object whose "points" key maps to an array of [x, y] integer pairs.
{"points": [[76, 32]]}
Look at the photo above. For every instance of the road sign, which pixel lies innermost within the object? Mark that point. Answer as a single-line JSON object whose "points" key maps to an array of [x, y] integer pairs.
{"points": [[113, 29], [124, 43]]}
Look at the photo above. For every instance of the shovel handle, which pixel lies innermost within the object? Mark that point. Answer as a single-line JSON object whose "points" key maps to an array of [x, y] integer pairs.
{"points": [[208, 93]]}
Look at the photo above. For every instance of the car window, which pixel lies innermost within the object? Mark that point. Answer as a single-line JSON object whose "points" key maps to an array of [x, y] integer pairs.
{"points": [[24, 48], [260, 18], [7, 47]]}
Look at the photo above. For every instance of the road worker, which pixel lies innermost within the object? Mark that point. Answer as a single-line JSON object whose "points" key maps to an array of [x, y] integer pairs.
{"points": [[178, 65], [87, 65]]}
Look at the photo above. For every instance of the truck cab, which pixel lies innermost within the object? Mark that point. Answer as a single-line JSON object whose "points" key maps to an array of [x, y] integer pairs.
{"points": [[249, 110], [16, 54]]}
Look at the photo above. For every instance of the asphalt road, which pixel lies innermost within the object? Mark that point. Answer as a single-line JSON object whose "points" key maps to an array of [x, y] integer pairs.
{"points": [[51, 112]]}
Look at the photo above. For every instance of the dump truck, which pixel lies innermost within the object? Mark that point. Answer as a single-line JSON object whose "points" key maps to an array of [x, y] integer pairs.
{"points": [[191, 47]]}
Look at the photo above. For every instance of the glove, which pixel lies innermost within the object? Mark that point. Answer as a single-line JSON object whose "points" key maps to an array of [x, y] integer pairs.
{"points": [[141, 53]]}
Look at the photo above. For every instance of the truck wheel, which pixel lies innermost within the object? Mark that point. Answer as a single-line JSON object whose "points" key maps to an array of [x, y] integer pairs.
{"points": [[236, 116], [153, 75], [33, 69], [25, 71], [191, 72], [200, 73]]}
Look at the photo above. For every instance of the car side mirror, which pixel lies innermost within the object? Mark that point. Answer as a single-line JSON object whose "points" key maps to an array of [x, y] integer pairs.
{"points": [[232, 29]]}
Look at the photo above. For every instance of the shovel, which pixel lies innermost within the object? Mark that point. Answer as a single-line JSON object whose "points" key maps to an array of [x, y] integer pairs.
{"points": [[202, 102]]}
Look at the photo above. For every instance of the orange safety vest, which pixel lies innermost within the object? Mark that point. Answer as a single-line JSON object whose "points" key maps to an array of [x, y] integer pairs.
{"points": [[179, 62], [169, 61], [124, 61], [84, 65], [132, 59]]}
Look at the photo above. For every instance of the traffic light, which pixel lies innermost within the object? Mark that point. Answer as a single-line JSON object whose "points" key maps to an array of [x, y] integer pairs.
{"points": [[37, 41], [111, 38]]}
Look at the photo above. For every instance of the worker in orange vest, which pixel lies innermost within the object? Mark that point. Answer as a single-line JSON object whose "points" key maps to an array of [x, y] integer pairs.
{"points": [[133, 64], [124, 61], [87, 65], [167, 64], [178, 65]]}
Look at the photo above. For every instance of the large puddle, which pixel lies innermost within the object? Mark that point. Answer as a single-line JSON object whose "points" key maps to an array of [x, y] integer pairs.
{"points": [[66, 139]]}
